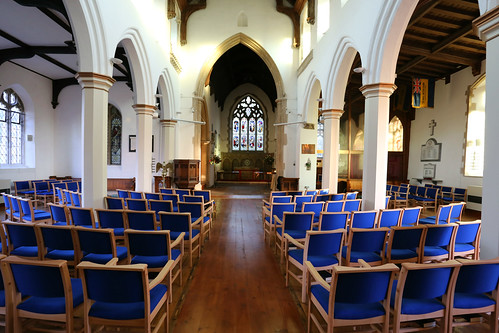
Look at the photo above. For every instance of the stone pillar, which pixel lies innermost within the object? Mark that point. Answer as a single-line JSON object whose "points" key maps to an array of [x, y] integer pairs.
{"points": [[168, 137], [95, 90], [377, 112], [331, 149], [144, 147], [280, 136], [487, 27]]}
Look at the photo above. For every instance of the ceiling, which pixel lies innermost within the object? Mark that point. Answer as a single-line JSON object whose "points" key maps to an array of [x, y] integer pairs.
{"points": [[439, 41]]}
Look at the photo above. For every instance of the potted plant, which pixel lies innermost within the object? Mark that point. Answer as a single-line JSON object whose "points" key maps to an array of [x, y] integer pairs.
{"points": [[215, 159], [308, 164]]}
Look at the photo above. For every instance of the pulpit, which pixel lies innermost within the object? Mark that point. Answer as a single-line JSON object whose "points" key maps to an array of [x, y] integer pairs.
{"points": [[186, 173]]}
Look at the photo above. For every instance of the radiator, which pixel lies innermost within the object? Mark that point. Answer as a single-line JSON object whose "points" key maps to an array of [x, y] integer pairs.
{"points": [[474, 200]]}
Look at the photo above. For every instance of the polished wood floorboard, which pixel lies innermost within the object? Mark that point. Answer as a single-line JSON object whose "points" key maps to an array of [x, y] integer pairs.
{"points": [[237, 285]]}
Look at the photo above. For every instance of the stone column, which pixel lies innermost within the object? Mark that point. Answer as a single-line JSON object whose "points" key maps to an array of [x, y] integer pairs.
{"points": [[377, 112], [168, 137], [95, 90], [487, 27], [280, 136], [331, 149], [143, 179]]}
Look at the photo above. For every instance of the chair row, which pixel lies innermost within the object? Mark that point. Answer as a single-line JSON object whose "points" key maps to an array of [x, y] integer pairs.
{"points": [[417, 294], [315, 195], [108, 295]]}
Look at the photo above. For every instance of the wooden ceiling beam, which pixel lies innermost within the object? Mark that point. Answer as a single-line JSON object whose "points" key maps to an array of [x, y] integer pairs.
{"points": [[295, 19], [421, 10]]}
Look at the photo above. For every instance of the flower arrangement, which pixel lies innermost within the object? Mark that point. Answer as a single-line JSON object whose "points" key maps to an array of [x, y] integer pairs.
{"points": [[268, 159], [215, 159]]}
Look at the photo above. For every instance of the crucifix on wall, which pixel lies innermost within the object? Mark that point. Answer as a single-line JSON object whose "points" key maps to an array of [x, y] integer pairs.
{"points": [[432, 126]]}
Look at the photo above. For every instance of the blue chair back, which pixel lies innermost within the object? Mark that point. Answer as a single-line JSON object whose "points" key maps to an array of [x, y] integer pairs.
{"points": [[421, 191], [75, 197], [352, 205], [389, 217], [362, 288], [14, 206], [67, 197], [282, 199], [295, 193], [297, 221], [279, 209], [439, 235], [181, 193], [324, 243], [193, 198], [411, 216], [277, 194], [406, 237], [178, 222], [97, 241], [300, 199], [195, 208], [368, 240], [136, 195], [140, 220], [72, 186], [456, 212], [428, 282], [174, 199], [148, 243], [136, 204], [337, 197], [364, 219], [41, 187], [123, 194], [204, 193], [334, 206], [467, 232], [315, 207], [58, 214], [311, 192], [166, 190], [56, 237], [82, 217], [324, 191], [153, 196], [21, 238], [387, 201], [351, 195], [160, 206], [323, 197], [115, 203], [111, 218], [478, 277], [333, 221]]}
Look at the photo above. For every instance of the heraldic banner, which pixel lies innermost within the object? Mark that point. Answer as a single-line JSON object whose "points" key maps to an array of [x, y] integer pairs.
{"points": [[423, 92]]}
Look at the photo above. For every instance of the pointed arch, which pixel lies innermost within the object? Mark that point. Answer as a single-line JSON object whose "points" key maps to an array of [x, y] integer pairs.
{"points": [[313, 89], [168, 94]]}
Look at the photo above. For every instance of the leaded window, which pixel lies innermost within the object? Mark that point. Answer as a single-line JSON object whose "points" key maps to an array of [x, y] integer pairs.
{"points": [[11, 128], [395, 135], [248, 126], [114, 124]]}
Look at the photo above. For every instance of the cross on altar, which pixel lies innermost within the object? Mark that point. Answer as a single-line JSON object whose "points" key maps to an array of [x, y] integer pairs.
{"points": [[432, 126]]}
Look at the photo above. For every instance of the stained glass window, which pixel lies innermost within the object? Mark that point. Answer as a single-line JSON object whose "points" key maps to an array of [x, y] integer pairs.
{"points": [[11, 128], [320, 137], [395, 135], [475, 134], [114, 124], [248, 126]]}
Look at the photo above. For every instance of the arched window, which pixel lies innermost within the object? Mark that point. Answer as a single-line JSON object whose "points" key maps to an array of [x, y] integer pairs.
{"points": [[395, 135], [114, 123], [248, 126], [320, 137], [11, 128]]}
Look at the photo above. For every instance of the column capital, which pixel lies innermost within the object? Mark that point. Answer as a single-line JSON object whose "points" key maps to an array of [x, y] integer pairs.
{"points": [[486, 26], [95, 80], [378, 89], [332, 113], [168, 122], [144, 109]]}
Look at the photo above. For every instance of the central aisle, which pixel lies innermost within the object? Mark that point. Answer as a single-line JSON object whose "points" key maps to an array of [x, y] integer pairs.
{"points": [[238, 285]]}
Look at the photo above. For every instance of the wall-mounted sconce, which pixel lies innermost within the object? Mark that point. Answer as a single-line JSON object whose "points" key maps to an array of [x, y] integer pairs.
{"points": [[308, 164], [359, 70], [116, 61]]}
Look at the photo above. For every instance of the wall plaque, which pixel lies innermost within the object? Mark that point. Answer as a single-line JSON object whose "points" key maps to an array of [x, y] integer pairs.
{"points": [[431, 151]]}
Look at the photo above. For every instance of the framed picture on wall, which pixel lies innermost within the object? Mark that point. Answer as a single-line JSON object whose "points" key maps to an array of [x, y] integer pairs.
{"points": [[429, 170], [132, 143]]}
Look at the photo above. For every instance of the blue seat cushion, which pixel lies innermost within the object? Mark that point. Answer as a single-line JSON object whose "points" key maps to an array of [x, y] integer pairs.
{"points": [[429, 221], [413, 306], [317, 261], [60, 254], [126, 311], [38, 216], [175, 234], [430, 251], [296, 234], [155, 261], [53, 305], [472, 301], [347, 310], [2, 298], [463, 247], [25, 251], [102, 258], [399, 254], [356, 255]]}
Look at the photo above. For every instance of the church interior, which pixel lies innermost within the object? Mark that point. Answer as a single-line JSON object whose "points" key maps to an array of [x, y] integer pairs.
{"points": [[244, 100]]}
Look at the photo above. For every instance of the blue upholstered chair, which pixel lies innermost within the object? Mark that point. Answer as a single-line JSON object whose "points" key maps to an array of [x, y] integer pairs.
{"points": [[315, 207], [301, 199], [334, 206], [422, 292], [97, 245], [136, 195], [429, 200], [269, 222], [337, 197], [155, 249], [181, 193], [136, 204], [209, 203], [153, 196], [333, 220], [387, 201], [266, 203], [3, 309], [7, 210], [321, 248], [48, 292], [73, 186], [160, 206], [442, 217], [364, 219], [166, 190], [439, 242], [15, 208], [122, 296], [82, 217], [124, 194], [351, 195], [21, 239], [173, 198], [352, 205], [75, 198], [178, 223], [208, 209], [294, 224], [405, 244], [141, 220], [400, 198], [365, 244], [456, 212], [356, 296], [294, 193], [196, 209], [475, 294], [389, 217], [467, 244], [59, 214], [67, 197], [323, 191], [411, 216], [322, 197], [115, 203], [23, 188], [31, 215], [56, 242], [43, 192], [113, 219], [57, 192]]}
